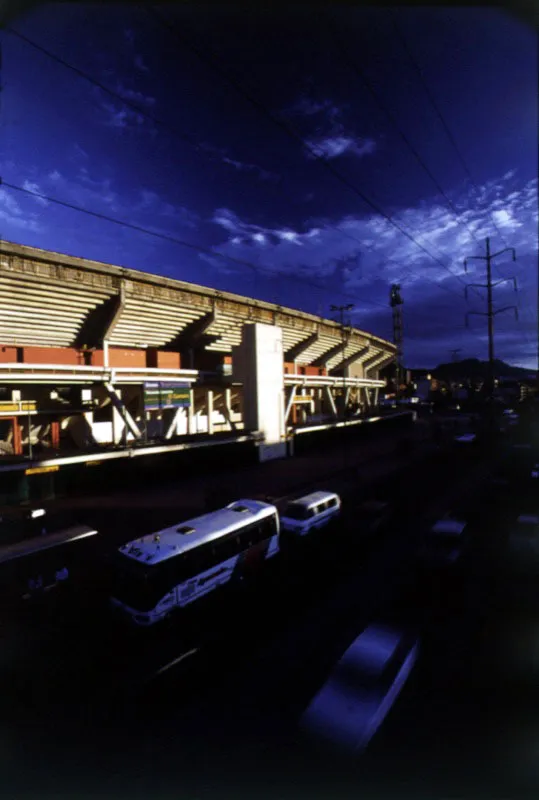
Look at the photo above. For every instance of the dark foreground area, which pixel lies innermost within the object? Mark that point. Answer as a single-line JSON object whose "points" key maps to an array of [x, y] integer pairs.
{"points": [[209, 705]]}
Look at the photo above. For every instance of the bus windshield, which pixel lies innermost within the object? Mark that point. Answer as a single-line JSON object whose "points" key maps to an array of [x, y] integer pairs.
{"points": [[134, 584], [139, 586]]}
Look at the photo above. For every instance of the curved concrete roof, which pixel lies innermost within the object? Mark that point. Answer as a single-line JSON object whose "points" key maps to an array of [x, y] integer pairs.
{"points": [[51, 299]]}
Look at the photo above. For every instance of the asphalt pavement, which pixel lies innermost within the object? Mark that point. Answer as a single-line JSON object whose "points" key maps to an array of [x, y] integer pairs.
{"points": [[210, 708]]}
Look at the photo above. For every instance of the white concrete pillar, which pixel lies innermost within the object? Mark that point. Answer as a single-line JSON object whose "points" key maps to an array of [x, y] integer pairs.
{"points": [[190, 412], [118, 426], [209, 410], [331, 401], [367, 397]]}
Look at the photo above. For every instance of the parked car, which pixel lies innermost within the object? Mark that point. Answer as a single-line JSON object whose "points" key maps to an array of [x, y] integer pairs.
{"points": [[361, 689], [524, 542], [444, 544]]}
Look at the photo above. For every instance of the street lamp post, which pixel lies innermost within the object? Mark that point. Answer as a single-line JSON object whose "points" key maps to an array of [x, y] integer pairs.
{"points": [[341, 310]]}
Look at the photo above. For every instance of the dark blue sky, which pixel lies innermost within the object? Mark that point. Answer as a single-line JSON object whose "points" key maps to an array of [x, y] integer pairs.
{"points": [[218, 173]]}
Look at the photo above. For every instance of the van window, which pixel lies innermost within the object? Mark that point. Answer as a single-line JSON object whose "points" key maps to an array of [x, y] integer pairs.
{"points": [[297, 511], [333, 502]]}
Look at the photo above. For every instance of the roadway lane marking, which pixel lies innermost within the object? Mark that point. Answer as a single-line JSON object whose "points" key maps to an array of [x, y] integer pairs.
{"points": [[173, 663]]}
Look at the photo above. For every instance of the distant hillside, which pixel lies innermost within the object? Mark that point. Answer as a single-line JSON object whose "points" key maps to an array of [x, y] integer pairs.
{"points": [[473, 368]]}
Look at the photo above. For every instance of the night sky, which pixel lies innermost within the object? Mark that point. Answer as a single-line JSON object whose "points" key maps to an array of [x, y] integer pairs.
{"points": [[278, 167]]}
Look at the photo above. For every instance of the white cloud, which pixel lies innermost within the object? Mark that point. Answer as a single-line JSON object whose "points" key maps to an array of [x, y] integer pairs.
{"points": [[151, 203], [13, 216], [365, 254], [139, 64], [504, 219], [331, 139], [241, 166], [308, 108], [55, 176], [120, 118], [334, 146], [31, 186], [135, 96]]}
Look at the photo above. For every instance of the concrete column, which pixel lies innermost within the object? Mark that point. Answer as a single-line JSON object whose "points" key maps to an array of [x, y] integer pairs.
{"points": [[172, 428], [119, 405], [331, 401], [209, 409], [367, 397], [190, 412], [376, 393], [228, 409], [118, 425], [290, 403]]}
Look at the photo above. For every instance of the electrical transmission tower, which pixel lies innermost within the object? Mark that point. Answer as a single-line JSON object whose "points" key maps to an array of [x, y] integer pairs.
{"points": [[490, 313], [396, 302], [455, 354]]}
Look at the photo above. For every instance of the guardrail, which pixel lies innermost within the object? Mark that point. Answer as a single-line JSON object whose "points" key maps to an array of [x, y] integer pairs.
{"points": [[83, 374]]}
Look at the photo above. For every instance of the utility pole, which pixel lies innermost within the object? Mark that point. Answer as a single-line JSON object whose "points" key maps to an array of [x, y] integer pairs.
{"points": [[490, 313], [396, 301], [341, 310]]}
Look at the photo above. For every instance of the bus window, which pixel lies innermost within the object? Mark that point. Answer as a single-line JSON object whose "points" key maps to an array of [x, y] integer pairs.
{"points": [[227, 548]]}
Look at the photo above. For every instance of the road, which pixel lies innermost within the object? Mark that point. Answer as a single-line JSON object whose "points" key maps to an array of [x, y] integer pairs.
{"points": [[120, 722]]}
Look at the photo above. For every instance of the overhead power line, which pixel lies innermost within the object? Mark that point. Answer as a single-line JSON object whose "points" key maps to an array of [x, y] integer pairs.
{"points": [[205, 151], [291, 132], [187, 138], [359, 72], [400, 34], [202, 150], [182, 242], [436, 108], [204, 250]]}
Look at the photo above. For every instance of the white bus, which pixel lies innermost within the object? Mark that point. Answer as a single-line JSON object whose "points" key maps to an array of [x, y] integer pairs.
{"points": [[170, 569], [30, 567]]}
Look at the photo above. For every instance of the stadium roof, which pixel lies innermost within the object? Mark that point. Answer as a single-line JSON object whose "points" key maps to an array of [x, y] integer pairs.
{"points": [[55, 300]]}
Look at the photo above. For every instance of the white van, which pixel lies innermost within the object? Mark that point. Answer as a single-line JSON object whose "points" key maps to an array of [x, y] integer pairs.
{"points": [[312, 511]]}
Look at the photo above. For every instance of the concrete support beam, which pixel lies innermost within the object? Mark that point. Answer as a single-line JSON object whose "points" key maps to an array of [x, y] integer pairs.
{"points": [[296, 350], [377, 361], [120, 408], [227, 409], [112, 323], [349, 360], [100, 321], [194, 334], [331, 401], [209, 410], [174, 423], [322, 360], [376, 393], [191, 413], [367, 397], [290, 402]]}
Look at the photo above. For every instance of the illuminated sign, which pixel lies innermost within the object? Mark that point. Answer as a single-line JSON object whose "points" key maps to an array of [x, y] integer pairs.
{"points": [[25, 405], [159, 395], [41, 470]]}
